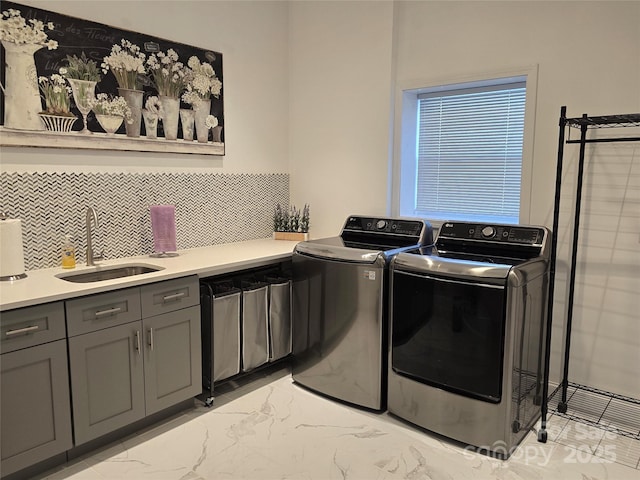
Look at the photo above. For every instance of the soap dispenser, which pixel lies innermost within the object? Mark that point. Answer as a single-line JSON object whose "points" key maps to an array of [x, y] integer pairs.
{"points": [[68, 253]]}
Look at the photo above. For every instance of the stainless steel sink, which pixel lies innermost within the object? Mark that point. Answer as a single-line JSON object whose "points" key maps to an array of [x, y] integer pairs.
{"points": [[99, 273]]}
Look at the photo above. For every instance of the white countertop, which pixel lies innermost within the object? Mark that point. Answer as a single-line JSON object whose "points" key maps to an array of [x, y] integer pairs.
{"points": [[43, 286]]}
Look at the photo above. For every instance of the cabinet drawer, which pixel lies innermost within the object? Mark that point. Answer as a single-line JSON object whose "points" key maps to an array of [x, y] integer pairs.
{"points": [[26, 327], [88, 314], [170, 295]]}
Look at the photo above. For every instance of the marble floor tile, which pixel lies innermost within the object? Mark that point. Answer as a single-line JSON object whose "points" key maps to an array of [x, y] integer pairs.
{"points": [[275, 429], [580, 436], [555, 425], [621, 449]]}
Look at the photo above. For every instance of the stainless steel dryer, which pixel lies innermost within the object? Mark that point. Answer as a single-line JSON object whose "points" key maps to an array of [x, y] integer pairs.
{"points": [[339, 315], [468, 330]]}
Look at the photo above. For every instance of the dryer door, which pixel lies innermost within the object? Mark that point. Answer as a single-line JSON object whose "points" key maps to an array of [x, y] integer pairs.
{"points": [[449, 333]]}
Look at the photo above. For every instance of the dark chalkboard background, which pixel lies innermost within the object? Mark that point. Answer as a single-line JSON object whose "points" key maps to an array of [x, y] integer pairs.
{"points": [[75, 36]]}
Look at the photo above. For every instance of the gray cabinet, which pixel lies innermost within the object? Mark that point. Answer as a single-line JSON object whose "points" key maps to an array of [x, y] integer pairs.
{"points": [[96, 312], [34, 386], [27, 327], [169, 295], [172, 358], [132, 353], [107, 380]]}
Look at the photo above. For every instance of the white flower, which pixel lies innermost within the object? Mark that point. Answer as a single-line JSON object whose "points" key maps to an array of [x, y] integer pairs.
{"points": [[167, 73], [126, 62], [14, 28], [202, 82], [193, 63], [154, 105], [56, 94], [211, 121], [208, 70], [105, 105]]}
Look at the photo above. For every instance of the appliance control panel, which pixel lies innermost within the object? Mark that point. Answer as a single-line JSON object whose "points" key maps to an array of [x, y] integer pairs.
{"points": [[495, 233], [375, 225]]}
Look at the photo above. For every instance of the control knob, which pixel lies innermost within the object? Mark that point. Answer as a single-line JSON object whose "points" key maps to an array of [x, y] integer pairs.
{"points": [[488, 232], [381, 224]]}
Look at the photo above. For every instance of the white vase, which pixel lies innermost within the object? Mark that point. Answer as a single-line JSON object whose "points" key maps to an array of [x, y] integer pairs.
{"points": [[170, 116], [57, 123], [110, 123], [134, 101], [216, 132], [84, 91], [150, 123], [187, 118], [202, 110], [21, 96]]}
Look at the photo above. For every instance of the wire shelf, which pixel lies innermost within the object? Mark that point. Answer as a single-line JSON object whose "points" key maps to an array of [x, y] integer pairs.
{"points": [[607, 411], [608, 121]]}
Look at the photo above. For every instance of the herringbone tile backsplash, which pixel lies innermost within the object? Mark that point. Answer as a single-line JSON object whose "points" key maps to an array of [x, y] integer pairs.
{"points": [[210, 209]]}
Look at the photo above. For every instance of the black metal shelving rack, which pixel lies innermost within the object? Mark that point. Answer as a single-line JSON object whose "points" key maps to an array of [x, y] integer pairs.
{"points": [[584, 123]]}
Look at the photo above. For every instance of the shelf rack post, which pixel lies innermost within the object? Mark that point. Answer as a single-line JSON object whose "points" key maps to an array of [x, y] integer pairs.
{"points": [[585, 122], [562, 406], [542, 433]]}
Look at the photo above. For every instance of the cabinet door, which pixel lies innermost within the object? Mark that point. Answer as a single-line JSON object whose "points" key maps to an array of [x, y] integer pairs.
{"points": [[107, 380], [173, 367], [35, 413]]}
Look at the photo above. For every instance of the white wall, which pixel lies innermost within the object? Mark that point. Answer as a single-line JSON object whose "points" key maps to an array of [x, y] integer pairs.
{"points": [[340, 77], [588, 58], [252, 37], [587, 54], [605, 339]]}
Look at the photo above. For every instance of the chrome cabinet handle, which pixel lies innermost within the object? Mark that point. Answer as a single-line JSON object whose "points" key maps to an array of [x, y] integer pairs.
{"points": [[151, 339], [137, 337], [175, 296], [18, 331], [110, 311]]}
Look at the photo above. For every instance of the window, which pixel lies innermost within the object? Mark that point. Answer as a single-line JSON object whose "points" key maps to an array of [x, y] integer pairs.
{"points": [[462, 151]]}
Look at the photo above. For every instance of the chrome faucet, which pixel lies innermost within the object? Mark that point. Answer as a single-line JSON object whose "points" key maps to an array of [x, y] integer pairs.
{"points": [[91, 216]]}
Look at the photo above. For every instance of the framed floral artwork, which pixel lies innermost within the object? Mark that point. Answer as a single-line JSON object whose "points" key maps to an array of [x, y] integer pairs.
{"points": [[73, 83]]}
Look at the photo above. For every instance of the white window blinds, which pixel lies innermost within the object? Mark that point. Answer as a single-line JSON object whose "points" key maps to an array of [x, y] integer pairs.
{"points": [[469, 153]]}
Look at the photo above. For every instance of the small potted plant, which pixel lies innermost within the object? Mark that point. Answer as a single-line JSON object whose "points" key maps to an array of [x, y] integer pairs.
{"points": [[82, 68], [83, 75], [127, 63], [201, 84], [56, 115], [110, 112], [291, 224]]}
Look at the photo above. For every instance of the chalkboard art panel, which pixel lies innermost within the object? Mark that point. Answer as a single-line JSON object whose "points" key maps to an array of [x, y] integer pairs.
{"points": [[57, 36]]}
